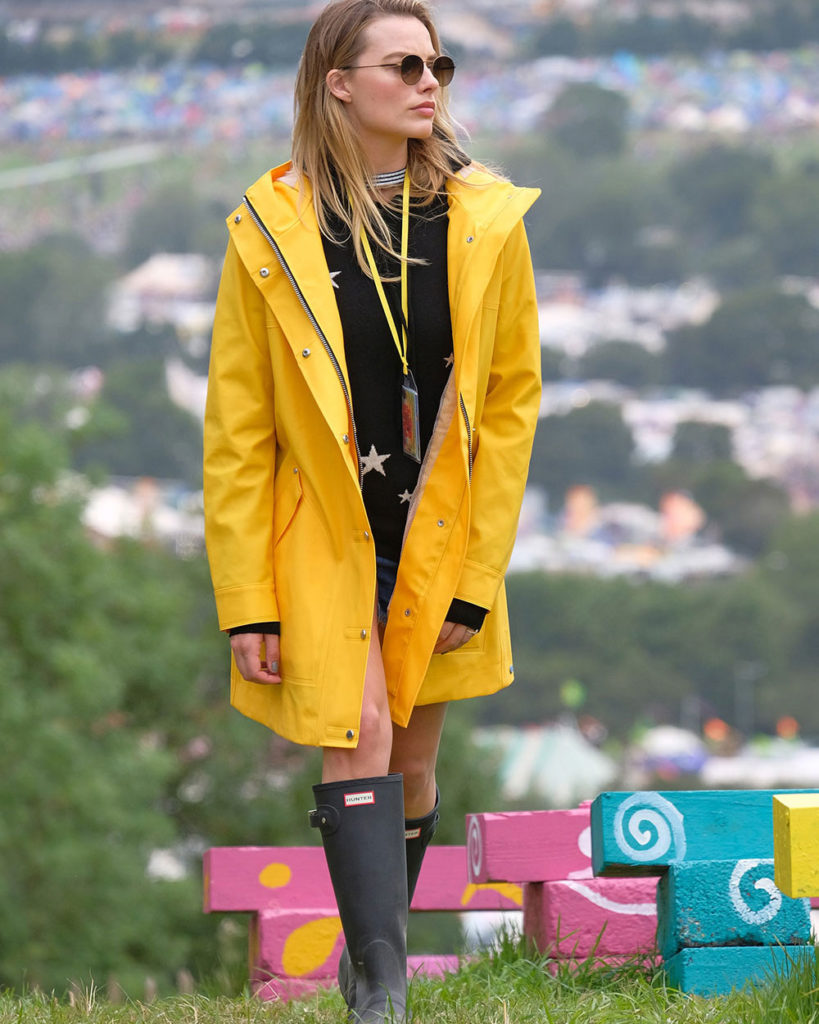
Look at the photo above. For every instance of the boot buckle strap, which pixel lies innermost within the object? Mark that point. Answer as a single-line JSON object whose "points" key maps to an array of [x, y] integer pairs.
{"points": [[325, 818]]}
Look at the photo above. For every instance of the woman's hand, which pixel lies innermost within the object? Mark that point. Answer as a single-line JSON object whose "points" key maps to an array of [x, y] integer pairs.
{"points": [[247, 650], [452, 636]]}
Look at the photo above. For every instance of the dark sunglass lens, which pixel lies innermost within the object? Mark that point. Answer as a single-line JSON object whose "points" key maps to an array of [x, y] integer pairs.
{"points": [[443, 68], [412, 67]]}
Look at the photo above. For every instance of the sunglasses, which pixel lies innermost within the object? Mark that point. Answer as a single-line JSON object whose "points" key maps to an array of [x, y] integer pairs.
{"points": [[412, 67]]}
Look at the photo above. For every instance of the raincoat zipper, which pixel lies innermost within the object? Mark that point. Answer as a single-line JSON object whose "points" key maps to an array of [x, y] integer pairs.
{"points": [[311, 317], [468, 432]]}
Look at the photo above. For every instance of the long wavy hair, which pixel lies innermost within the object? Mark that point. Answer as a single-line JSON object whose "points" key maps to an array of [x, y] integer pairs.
{"points": [[326, 148]]}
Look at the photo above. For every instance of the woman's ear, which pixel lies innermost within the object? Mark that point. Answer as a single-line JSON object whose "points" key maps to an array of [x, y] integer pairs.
{"points": [[337, 84]]}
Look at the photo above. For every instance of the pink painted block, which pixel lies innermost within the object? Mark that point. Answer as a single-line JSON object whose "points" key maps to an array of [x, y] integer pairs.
{"points": [[293, 878], [267, 878], [529, 846], [297, 944], [293, 952], [592, 916]]}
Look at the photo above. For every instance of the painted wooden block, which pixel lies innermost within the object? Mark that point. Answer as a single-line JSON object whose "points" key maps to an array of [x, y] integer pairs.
{"points": [[726, 903], [296, 944], [716, 971], [603, 917], [253, 878], [529, 846], [643, 832], [240, 878], [294, 952], [796, 843]]}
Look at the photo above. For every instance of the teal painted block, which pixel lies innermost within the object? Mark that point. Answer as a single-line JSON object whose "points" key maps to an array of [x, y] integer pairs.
{"points": [[642, 833], [726, 903], [715, 971]]}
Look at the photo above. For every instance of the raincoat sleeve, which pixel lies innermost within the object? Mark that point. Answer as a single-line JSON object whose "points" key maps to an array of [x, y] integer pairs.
{"points": [[239, 453], [506, 428]]}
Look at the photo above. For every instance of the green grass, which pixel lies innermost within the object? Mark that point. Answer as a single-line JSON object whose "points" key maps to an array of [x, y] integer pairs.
{"points": [[503, 987]]}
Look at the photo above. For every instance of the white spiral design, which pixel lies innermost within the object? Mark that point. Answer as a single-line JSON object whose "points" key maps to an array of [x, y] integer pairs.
{"points": [[645, 827], [765, 884], [474, 846]]}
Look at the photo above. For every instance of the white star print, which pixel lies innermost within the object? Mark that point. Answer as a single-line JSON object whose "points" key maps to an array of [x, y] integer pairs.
{"points": [[373, 461], [406, 497], [450, 359], [333, 275]]}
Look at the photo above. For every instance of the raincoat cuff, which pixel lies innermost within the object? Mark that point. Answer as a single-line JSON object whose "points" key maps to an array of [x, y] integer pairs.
{"points": [[479, 584], [236, 606]]}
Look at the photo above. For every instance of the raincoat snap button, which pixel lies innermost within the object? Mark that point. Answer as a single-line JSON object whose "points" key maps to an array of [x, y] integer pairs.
{"points": [[345, 438], [511, 670], [264, 272], [350, 734], [440, 522], [407, 611], [305, 352], [295, 469], [366, 535], [363, 634], [237, 219], [470, 238]]}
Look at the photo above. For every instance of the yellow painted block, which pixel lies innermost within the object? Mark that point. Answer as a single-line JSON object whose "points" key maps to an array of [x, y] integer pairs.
{"points": [[796, 843]]}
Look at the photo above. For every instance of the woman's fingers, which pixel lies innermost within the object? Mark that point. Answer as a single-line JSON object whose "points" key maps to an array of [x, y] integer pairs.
{"points": [[452, 636], [257, 657]]}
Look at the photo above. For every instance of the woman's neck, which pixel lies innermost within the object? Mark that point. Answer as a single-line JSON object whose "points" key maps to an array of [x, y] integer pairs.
{"points": [[384, 157]]}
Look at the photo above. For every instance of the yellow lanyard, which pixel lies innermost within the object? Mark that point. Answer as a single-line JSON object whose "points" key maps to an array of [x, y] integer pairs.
{"points": [[400, 343]]}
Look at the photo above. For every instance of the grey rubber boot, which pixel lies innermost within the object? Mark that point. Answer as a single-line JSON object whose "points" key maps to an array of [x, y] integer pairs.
{"points": [[418, 833], [362, 829]]}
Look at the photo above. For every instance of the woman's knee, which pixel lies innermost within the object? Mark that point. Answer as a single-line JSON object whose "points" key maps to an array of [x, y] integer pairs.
{"points": [[419, 775], [375, 729]]}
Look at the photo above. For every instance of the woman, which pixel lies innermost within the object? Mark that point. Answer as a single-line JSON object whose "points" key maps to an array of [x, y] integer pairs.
{"points": [[373, 391]]}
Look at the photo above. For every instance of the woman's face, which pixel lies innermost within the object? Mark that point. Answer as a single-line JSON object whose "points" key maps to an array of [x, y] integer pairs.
{"points": [[384, 110]]}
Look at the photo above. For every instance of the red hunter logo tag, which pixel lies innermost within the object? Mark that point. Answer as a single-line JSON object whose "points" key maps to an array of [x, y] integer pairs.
{"points": [[357, 799]]}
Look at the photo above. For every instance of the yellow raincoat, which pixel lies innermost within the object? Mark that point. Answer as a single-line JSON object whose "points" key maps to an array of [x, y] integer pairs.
{"points": [[286, 528]]}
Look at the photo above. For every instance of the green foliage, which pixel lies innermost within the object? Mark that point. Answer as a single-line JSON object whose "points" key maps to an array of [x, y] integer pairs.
{"points": [[589, 121], [53, 299], [640, 647], [786, 219], [755, 338], [625, 362], [176, 219], [701, 442], [589, 445], [272, 45], [153, 437], [717, 187]]}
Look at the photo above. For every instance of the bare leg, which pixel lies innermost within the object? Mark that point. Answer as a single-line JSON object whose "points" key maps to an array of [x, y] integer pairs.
{"points": [[372, 755], [414, 753]]}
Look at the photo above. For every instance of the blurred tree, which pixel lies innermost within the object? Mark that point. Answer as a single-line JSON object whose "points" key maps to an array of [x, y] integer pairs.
{"points": [[176, 219], [786, 217], [590, 445], [625, 362], [701, 442], [53, 299], [755, 338], [278, 45], [153, 436], [589, 121], [716, 188], [553, 364]]}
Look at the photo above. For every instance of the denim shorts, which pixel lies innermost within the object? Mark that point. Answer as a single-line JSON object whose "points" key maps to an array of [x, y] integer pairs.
{"points": [[386, 571]]}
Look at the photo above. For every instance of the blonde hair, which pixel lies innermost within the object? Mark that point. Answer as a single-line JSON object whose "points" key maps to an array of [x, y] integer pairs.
{"points": [[326, 149]]}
